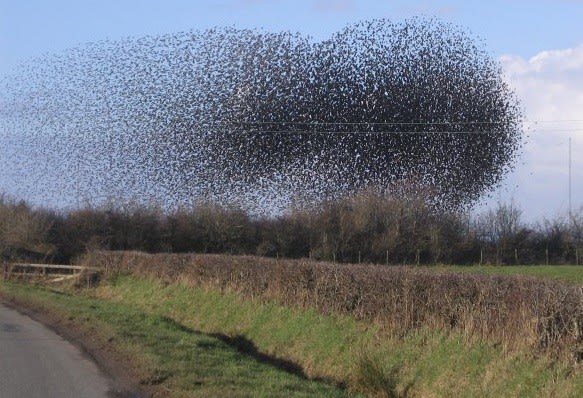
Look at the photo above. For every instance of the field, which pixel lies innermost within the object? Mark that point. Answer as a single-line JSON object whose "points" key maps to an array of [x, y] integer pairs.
{"points": [[566, 273], [275, 342]]}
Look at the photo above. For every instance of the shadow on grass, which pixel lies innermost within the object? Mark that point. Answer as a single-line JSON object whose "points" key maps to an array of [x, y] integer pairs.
{"points": [[246, 347]]}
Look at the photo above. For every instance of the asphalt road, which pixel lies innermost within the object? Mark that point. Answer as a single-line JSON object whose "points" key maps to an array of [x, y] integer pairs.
{"points": [[35, 362]]}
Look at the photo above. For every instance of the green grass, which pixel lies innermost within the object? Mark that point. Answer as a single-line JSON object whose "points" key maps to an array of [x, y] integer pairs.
{"points": [[184, 361], [175, 327], [567, 273], [319, 342]]}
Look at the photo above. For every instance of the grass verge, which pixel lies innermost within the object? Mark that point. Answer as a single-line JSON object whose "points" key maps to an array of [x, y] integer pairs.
{"points": [[169, 358], [195, 341]]}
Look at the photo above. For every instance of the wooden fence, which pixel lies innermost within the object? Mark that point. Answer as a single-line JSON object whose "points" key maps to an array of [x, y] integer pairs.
{"points": [[46, 272]]}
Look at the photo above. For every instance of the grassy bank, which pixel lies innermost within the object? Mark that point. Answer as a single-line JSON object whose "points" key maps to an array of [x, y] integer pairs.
{"points": [[167, 357], [197, 341]]}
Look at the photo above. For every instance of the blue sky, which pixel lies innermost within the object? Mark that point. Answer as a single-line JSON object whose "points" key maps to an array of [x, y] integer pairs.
{"points": [[520, 27], [539, 44]]}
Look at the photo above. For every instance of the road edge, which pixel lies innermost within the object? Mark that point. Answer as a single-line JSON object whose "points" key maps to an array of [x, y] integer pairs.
{"points": [[114, 365]]}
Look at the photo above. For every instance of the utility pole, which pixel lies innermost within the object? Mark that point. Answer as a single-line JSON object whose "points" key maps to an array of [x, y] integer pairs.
{"points": [[570, 191], [571, 220]]}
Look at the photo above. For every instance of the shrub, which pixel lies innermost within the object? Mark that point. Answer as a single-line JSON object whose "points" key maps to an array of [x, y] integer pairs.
{"points": [[24, 232], [512, 311]]}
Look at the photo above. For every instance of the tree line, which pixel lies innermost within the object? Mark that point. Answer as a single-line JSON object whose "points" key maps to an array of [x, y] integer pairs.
{"points": [[364, 228]]}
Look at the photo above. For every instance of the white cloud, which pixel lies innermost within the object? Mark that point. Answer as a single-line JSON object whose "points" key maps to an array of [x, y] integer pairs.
{"points": [[550, 87]]}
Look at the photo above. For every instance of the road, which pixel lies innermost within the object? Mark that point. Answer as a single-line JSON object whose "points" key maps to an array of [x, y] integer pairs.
{"points": [[35, 362]]}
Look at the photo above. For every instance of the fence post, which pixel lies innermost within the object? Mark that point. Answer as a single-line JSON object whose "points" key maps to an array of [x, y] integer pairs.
{"points": [[515, 255], [547, 256], [387, 257], [359, 256]]}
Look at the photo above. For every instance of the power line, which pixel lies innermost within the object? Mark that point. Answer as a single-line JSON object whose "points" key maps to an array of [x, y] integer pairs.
{"points": [[445, 123], [363, 132], [399, 132], [370, 123], [558, 121], [406, 123], [369, 128], [549, 130]]}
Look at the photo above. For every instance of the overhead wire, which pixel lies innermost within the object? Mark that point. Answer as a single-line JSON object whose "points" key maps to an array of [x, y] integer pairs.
{"points": [[312, 127]]}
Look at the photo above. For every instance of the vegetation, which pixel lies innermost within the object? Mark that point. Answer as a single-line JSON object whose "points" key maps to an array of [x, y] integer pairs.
{"points": [[365, 228], [538, 315], [178, 332], [377, 330], [24, 232], [566, 273], [169, 358]]}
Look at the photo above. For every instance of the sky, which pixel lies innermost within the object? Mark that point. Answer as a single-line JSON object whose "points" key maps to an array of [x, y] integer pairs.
{"points": [[539, 44]]}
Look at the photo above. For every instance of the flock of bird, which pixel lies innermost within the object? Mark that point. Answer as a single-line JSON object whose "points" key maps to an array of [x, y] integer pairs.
{"points": [[262, 120]]}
